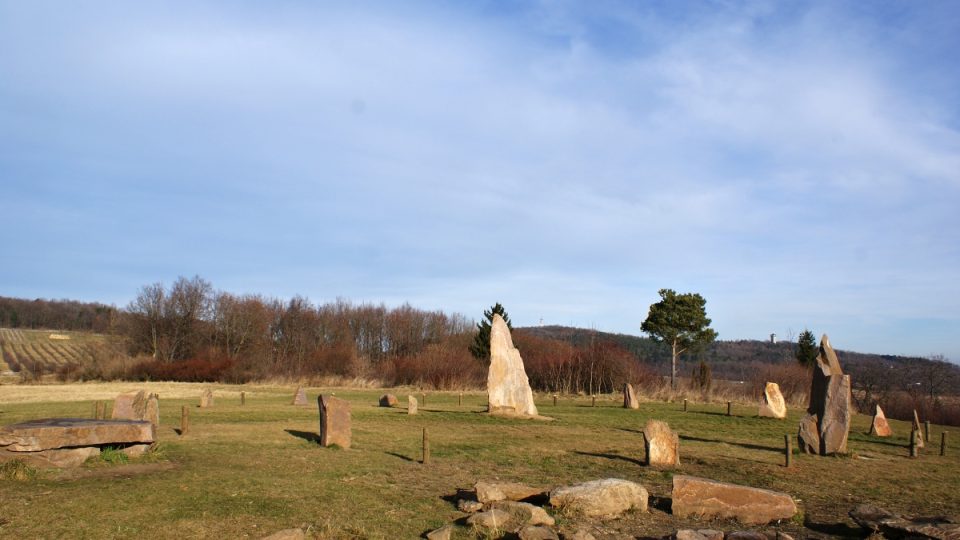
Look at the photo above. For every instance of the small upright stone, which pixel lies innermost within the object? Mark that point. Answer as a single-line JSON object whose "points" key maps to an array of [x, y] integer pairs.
{"points": [[334, 421], [629, 397], [412, 405], [880, 427], [137, 405], [300, 397], [508, 388], [773, 405], [809, 435], [661, 443], [443, 533], [388, 400], [918, 427], [206, 399]]}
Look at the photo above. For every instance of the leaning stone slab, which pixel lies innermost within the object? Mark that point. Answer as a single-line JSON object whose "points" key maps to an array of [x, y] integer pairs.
{"points": [[629, 397], [51, 433], [508, 389], [880, 427], [891, 525], [300, 397], [702, 498], [662, 444], [488, 492], [773, 405], [600, 498], [388, 400], [334, 421], [412, 405], [918, 428], [59, 457]]}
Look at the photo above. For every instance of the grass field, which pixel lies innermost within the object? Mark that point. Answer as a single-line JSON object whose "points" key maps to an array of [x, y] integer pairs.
{"points": [[248, 471]]}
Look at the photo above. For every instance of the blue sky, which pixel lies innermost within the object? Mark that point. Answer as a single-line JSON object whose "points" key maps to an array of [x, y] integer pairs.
{"points": [[798, 164]]}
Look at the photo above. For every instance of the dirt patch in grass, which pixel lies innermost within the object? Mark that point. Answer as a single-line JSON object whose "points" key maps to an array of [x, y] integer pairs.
{"points": [[127, 470]]}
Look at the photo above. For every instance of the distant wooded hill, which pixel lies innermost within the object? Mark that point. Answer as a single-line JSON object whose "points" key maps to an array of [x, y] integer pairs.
{"points": [[739, 360]]}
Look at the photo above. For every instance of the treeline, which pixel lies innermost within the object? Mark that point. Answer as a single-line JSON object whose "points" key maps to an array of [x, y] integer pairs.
{"points": [[189, 331], [57, 315]]}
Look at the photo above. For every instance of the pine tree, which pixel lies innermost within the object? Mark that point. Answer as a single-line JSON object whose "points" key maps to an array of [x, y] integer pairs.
{"points": [[480, 348], [807, 349], [680, 321]]}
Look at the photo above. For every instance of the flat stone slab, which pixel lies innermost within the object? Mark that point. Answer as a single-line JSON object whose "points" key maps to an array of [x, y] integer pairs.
{"points": [[51, 433], [702, 498]]}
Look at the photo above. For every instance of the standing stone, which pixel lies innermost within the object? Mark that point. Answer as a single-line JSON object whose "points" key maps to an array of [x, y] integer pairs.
{"points": [[629, 397], [206, 399], [809, 435], [702, 498], [388, 400], [773, 405], [830, 405], [918, 427], [137, 405], [662, 444], [300, 397], [835, 423], [880, 427], [411, 405], [334, 421], [508, 388]]}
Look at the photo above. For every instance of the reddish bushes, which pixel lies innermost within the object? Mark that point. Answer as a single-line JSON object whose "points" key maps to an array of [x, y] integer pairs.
{"points": [[194, 370]]}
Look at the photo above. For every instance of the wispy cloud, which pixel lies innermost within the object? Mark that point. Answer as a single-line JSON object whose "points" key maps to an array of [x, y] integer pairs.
{"points": [[798, 164]]}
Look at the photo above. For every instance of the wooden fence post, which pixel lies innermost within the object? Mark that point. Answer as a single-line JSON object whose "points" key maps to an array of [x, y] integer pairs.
{"points": [[788, 449], [554, 400], [729, 405], [943, 443], [426, 447], [684, 404], [184, 420], [243, 398], [913, 443]]}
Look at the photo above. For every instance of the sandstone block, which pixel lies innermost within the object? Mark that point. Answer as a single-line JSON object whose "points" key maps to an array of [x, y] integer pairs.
{"points": [[601, 498], [918, 427], [137, 405], [662, 444], [412, 405], [59, 457], [630, 397], [809, 435], [488, 492], [300, 397], [508, 388], [51, 433], [443, 533], [773, 405], [388, 400], [880, 427], [334, 421], [206, 399], [702, 498], [835, 422], [491, 519], [524, 513]]}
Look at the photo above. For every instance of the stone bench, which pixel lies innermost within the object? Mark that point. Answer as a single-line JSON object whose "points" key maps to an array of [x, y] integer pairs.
{"points": [[68, 442]]}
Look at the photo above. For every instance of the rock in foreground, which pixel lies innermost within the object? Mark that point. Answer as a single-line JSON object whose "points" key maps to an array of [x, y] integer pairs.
{"points": [[601, 498], [702, 498]]}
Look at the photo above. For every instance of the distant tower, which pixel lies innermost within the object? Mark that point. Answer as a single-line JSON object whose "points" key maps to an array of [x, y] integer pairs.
{"points": [[541, 321], [773, 338]]}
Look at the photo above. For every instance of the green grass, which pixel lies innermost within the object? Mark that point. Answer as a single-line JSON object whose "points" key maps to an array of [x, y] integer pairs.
{"points": [[252, 470]]}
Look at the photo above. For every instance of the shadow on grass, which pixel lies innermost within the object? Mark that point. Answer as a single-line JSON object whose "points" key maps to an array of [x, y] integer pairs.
{"points": [[401, 456], [305, 435], [712, 413], [872, 440], [837, 530], [612, 456], [628, 430], [742, 445]]}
